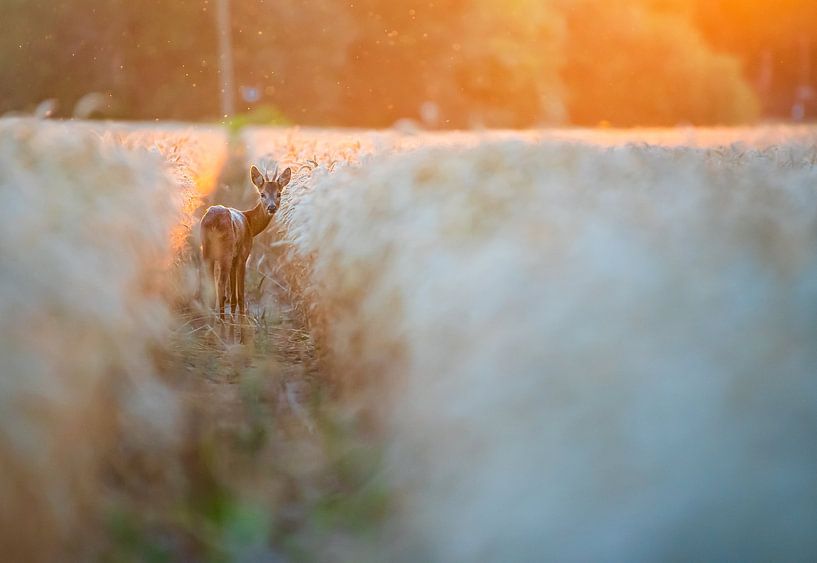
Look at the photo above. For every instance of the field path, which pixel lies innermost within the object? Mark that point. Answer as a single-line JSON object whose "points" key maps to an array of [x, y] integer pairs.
{"points": [[255, 446], [272, 346]]}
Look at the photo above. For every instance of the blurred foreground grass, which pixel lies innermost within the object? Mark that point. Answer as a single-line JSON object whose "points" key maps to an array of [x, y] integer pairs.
{"points": [[462, 346]]}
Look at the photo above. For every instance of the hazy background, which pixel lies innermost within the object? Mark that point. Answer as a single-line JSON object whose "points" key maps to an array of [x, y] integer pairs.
{"points": [[450, 63]]}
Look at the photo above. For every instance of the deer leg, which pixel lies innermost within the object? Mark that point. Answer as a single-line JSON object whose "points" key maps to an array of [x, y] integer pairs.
{"points": [[217, 287], [207, 280], [225, 288], [233, 287], [242, 301], [222, 286]]}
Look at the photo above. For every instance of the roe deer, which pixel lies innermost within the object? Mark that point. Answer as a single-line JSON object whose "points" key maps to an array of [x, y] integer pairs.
{"points": [[227, 234]]}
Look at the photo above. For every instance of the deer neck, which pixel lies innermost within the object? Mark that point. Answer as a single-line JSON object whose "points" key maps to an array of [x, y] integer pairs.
{"points": [[257, 219]]}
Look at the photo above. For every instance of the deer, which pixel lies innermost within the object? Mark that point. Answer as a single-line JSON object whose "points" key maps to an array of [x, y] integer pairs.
{"points": [[227, 235]]}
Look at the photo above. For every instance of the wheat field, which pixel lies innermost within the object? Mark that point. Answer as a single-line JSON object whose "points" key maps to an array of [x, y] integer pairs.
{"points": [[499, 346]]}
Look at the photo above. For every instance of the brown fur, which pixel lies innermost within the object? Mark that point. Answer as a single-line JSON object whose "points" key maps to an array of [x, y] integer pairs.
{"points": [[227, 235]]}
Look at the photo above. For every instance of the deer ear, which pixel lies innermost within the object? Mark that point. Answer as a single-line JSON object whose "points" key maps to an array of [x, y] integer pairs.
{"points": [[257, 178], [285, 177]]}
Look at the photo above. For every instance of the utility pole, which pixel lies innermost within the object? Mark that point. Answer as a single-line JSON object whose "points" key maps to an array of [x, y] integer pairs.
{"points": [[225, 58]]}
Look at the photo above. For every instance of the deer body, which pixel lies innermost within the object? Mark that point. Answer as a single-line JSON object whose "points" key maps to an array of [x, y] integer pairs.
{"points": [[227, 235]]}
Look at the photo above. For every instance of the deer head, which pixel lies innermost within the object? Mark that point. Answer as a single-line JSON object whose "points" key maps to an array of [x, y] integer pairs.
{"points": [[270, 190]]}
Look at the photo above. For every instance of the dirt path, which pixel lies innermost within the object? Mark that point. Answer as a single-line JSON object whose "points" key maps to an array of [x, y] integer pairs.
{"points": [[271, 344], [260, 448], [272, 469]]}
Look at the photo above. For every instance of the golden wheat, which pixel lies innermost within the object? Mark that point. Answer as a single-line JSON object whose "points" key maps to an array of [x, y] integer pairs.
{"points": [[85, 236], [576, 352]]}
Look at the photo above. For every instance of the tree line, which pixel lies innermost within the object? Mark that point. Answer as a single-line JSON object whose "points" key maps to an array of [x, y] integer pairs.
{"points": [[453, 63]]}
